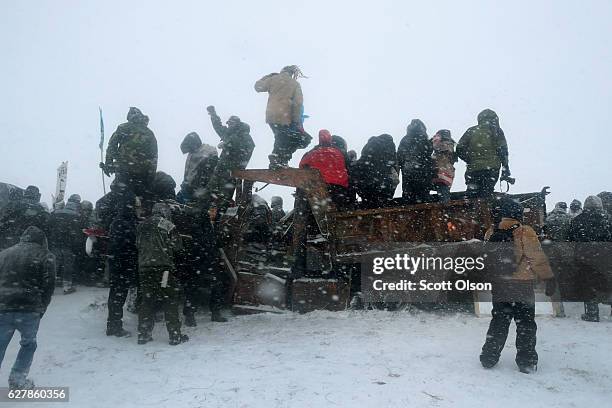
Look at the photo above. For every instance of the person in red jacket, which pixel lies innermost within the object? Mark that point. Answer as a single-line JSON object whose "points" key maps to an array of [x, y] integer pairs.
{"points": [[331, 163]]}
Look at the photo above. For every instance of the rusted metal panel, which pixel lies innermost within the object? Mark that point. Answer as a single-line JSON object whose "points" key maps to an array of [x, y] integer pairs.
{"points": [[309, 294], [363, 230], [261, 289]]}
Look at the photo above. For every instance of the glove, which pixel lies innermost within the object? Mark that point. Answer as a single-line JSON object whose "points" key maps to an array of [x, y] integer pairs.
{"points": [[105, 169], [211, 110], [551, 287]]}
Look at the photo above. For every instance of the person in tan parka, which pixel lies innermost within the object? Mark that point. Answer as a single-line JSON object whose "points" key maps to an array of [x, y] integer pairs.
{"points": [[514, 261], [284, 114]]}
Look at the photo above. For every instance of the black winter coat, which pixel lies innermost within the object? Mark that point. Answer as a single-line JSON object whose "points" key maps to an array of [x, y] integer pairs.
{"points": [[27, 274], [65, 230], [374, 172], [16, 217], [414, 156]]}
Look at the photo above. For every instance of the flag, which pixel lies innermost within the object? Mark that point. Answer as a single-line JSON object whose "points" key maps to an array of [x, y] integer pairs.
{"points": [[101, 130]]}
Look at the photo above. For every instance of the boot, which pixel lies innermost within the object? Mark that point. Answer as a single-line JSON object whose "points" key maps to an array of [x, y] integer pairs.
{"points": [[276, 163], [69, 290], [488, 361], [27, 384], [190, 320], [144, 338], [591, 312], [216, 316], [528, 369], [176, 339], [117, 331]]}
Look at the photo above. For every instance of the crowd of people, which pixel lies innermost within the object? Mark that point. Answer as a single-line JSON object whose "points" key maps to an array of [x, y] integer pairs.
{"points": [[163, 245]]}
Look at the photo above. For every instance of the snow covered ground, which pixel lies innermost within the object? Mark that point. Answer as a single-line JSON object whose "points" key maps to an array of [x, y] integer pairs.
{"points": [[321, 359]]}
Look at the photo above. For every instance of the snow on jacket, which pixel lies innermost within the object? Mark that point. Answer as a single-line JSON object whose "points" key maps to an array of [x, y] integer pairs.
{"points": [[285, 100], [201, 160], [132, 149], [557, 224], [329, 160], [376, 169], [27, 274], [414, 153], [592, 224]]}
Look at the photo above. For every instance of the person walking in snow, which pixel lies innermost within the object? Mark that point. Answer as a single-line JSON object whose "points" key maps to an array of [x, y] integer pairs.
{"points": [[27, 280], [591, 233], [514, 261]]}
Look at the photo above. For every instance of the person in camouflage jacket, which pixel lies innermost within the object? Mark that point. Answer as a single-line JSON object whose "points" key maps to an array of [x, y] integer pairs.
{"points": [[236, 150], [157, 240], [132, 153]]}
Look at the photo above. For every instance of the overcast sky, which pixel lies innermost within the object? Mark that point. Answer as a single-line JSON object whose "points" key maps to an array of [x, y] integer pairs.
{"points": [[544, 66]]}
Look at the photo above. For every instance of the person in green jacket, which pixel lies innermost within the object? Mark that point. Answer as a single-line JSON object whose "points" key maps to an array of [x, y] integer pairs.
{"points": [[157, 240], [484, 149], [236, 150], [132, 153]]}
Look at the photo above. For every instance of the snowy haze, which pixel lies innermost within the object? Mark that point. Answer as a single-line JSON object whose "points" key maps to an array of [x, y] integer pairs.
{"points": [[372, 66]]}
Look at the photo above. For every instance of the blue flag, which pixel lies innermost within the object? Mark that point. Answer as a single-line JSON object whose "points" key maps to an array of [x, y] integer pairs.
{"points": [[101, 130]]}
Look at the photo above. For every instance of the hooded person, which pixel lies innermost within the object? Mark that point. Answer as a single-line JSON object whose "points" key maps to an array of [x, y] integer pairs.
{"points": [[284, 114], [575, 208], [200, 164], [606, 200], [414, 158], [66, 242], [331, 163], [375, 174], [276, 204], [514, 261], [27, 280], [23, 210], [157, 240], [132, 153], [236, 150], [484, 149], [591, 232], [32, 195], [197, 260], [557, 223]]}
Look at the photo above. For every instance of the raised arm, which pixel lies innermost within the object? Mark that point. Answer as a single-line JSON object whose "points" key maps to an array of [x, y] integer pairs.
{"points": [[216, 122], [263, 85]]}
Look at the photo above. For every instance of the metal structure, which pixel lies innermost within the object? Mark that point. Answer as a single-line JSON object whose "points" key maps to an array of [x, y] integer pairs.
{"points": [[335, 241]]}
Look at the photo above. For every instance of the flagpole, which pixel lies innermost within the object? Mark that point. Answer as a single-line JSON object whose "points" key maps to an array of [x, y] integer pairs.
{"points": [[102, 148]]}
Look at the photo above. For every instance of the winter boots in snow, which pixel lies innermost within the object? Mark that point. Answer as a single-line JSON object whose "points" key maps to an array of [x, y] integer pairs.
{"points": [[190, 320], [591, 312], [144, 338], [216, 316], [177, 338], [116, 330]]}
